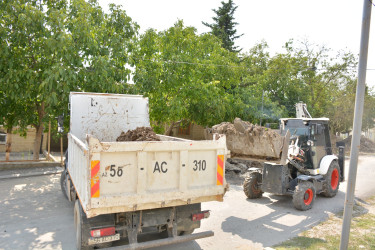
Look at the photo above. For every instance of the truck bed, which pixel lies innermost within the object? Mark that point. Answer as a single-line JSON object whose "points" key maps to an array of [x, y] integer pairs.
{"points": [[114, 177]]}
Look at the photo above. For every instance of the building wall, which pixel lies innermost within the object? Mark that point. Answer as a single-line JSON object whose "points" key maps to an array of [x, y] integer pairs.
{"points": [[370, 133], [192, 132], [23, 144]]}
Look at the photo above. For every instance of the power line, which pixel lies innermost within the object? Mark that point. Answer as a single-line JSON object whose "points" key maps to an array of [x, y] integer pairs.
{"points": [[232, 66]]}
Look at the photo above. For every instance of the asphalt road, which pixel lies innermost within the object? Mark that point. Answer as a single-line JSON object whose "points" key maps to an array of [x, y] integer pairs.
{"points": [[35, 215]]}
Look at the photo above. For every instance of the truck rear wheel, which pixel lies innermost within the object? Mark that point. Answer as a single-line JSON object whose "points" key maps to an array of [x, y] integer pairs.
{"points": [[332, 183], [81, 225], [63, 184], [180, 233], [304, 196], [251, 185]]}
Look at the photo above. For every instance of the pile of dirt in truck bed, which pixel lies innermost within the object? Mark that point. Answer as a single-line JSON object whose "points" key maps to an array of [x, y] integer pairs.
{"points": [[139, 134], [245, 138], [366, 145]]}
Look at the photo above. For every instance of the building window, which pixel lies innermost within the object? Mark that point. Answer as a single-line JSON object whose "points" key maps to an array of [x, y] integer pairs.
{"points": [[3, 138]]}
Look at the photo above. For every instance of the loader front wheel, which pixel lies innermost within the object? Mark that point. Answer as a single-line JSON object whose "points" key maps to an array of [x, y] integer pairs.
{"points": [[251, 185], [332, 183], [304, 196]]}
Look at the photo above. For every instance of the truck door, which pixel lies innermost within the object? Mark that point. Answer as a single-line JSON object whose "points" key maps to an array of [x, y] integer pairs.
{"points": [[318, 149]]}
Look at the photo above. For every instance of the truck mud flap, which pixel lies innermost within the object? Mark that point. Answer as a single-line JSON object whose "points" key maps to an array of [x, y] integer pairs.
{"points": [[166, 241]]}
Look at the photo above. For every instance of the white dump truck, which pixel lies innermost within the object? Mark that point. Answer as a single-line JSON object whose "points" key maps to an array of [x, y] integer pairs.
{"points": [[126, 191]]}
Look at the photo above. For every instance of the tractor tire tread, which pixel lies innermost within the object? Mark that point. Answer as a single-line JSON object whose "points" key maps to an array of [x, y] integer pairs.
{"points": [[327, 189], [249, 186], [299, 194]]}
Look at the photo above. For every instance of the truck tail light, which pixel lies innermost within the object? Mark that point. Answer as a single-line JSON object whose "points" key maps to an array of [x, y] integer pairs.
{"points": [[200, 216], [103, 232]]}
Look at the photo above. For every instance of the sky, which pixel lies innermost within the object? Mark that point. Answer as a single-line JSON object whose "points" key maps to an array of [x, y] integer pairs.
{"points": [[333, 23]]}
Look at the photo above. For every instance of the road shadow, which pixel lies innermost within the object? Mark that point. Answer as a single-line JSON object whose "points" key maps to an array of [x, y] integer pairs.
{"points": [[190, 245], [282, 221], [35, 214]]}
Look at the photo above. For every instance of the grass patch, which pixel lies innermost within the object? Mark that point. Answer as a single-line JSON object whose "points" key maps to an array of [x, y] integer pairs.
{"points": [[327, 234]]}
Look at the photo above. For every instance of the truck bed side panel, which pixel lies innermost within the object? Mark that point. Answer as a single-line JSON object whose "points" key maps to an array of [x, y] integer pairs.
{"points": [[145, 175], [78, 167]]}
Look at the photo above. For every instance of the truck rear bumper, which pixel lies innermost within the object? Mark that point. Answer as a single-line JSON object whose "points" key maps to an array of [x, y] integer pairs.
{"points": [[166, 241]]}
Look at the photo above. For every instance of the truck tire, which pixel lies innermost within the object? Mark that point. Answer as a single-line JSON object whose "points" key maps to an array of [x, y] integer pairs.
{"points": [[332, 180], [81, 226], [251, 185], [64, 190], [304, 196]]}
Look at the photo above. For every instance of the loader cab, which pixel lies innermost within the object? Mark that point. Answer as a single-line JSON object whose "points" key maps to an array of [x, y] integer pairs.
{"points": [[313, 137]]}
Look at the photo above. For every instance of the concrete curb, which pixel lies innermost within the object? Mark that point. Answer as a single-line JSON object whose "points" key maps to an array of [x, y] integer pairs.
{"points": [[19, 169], [27, 165], [22, 173]]}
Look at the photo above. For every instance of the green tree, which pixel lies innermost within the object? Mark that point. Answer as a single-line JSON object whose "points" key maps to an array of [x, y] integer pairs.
{"points": [[49, 48], [185, 75], [255, 103], [307, 73], [341, 112], [224, 25], [10, 112]]}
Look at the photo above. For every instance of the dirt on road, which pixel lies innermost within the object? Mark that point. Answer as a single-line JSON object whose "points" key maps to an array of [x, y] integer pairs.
{"points": [[365, 146], [139, 134]]}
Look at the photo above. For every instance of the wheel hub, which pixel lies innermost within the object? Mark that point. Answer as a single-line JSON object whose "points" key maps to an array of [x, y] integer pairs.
{"points": [[308, 196]]}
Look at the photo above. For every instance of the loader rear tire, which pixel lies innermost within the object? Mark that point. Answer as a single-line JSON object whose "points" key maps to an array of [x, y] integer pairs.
{"points": [[332, 177], [304, 196], [251, 185]]}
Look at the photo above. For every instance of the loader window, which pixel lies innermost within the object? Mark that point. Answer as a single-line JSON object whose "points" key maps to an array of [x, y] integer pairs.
{"points": [[313, 131], [296, 131], [297, 128]]}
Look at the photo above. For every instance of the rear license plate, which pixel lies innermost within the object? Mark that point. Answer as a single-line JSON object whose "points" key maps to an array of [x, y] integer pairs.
{"points": [[99, 240]]}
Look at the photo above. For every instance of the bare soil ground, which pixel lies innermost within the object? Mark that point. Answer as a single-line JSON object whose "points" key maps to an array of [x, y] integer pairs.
{"points": [[366, 145], [139, 134], [327, 235]]}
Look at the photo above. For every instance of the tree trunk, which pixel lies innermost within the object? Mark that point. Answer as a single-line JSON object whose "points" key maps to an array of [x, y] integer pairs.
{"points": [[8, 144], [39, 131], [170, 128]]}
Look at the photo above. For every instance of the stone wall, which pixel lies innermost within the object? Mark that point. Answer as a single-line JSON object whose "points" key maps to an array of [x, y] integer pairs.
{"points": [[191, 132]]}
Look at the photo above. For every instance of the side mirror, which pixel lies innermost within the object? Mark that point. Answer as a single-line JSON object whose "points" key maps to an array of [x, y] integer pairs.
{"points": [[60, 124], [310, 143]]}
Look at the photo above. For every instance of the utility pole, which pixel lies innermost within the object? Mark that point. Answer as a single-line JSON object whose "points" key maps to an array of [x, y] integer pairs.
{"points": [[261, 116], [357, 124]]}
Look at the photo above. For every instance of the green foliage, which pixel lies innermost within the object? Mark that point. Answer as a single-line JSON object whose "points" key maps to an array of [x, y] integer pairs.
{"points": [[49, 48], [344, 102], [185, 75], [223, 26]]}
